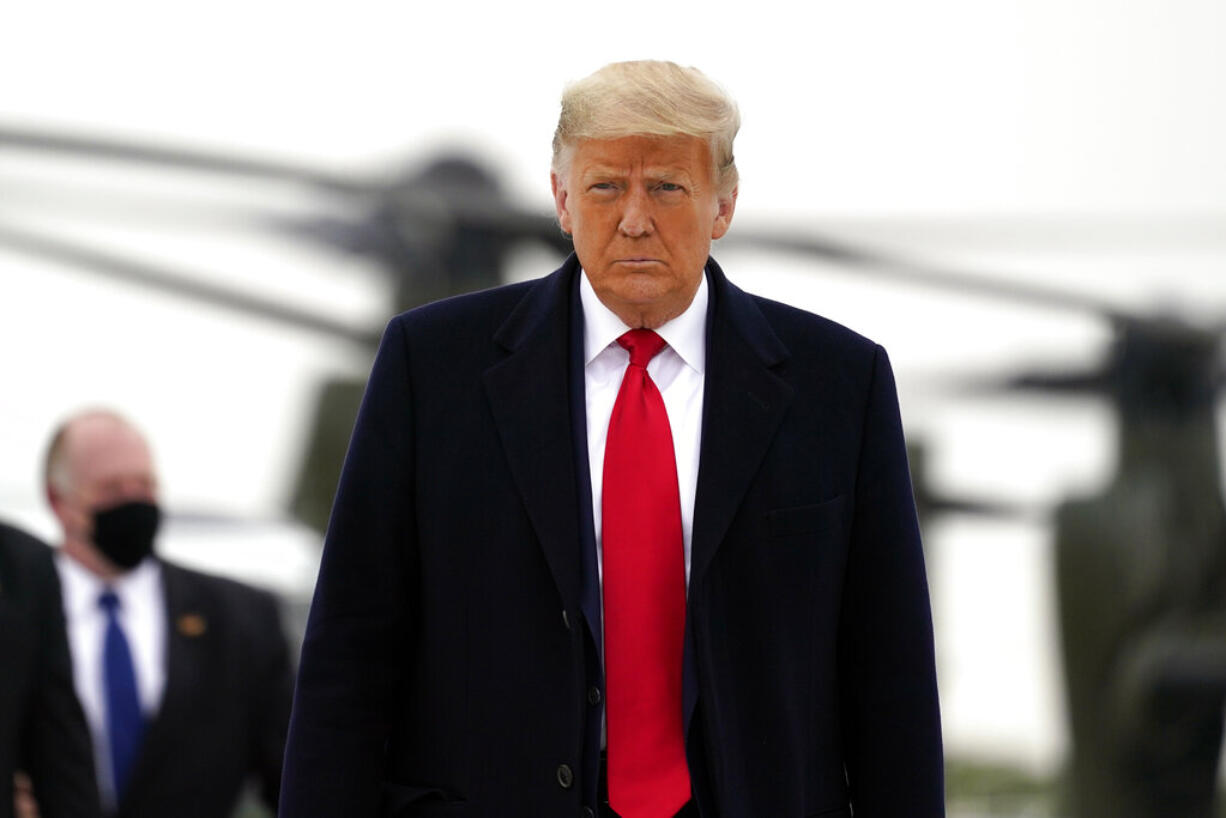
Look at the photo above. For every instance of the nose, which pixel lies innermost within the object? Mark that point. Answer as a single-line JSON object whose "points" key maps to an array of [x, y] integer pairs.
{"points": [[636, 217]]}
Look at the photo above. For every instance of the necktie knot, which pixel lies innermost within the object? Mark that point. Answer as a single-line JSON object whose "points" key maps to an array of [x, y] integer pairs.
{"points": [[642, 344], [108, 601]]}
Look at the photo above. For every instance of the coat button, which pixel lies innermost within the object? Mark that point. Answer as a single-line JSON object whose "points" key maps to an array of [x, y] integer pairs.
{"points": [[588, 812], [593, 695], [565, 777], [566, 619]]}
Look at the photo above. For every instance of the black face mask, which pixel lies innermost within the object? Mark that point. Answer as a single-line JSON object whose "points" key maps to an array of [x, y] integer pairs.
{"points": [[124, 533]]}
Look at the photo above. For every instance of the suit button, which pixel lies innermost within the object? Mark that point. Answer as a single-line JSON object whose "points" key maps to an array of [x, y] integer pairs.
{"points": [[565, 777], [566, 619], [593, 695], [588, 812]]}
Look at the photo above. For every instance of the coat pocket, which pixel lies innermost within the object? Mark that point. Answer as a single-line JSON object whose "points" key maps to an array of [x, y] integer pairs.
{"points": [[414, 801], [810, 519], [837, 812], [434, 809]]}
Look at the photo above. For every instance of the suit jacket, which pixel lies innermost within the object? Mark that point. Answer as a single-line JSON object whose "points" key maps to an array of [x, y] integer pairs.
{"points": [[451, 666], [225, 709], [42, 730]]}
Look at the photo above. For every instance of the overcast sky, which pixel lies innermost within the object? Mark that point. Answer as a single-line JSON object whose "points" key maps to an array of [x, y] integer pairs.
{"points": [[869, 106]]}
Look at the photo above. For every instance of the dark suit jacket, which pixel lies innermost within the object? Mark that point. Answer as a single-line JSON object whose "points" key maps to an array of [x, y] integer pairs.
{"points": [[42, 730], [451, 652], [225, 709]]}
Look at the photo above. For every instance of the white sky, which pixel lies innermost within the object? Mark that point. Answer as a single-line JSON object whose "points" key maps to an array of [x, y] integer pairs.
{"points": [[888, 108]]}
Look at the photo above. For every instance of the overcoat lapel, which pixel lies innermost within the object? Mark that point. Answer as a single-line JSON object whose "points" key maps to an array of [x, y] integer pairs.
{"points": [[743, 404], [529, 396], [187, 683]]}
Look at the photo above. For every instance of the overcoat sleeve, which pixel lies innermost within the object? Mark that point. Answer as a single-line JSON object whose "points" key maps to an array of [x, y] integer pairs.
{"points": [[271, 690], [358, 631], [56, 751], [889, 716]]}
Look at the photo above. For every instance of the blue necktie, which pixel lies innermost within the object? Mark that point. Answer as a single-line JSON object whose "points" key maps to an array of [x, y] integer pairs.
{"points": [[124, 723]]}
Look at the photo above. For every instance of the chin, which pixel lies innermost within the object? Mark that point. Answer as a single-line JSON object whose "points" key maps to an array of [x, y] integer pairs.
{"points": [[645, 296]]}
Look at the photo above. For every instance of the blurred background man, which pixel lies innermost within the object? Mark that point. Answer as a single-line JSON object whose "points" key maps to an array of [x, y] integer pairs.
{"points": [[184, 678], [42, 731]]}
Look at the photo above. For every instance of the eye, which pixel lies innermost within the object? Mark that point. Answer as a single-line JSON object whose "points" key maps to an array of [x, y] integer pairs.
{"points": [[670, 189]]}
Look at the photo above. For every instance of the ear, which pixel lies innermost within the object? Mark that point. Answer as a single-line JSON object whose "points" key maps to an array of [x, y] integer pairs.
{"points": [[559, 202], [725, 206], [62, 509], [54, 497]]}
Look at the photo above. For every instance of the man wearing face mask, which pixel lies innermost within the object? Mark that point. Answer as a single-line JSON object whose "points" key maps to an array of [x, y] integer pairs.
{"points": [[184, 678]]}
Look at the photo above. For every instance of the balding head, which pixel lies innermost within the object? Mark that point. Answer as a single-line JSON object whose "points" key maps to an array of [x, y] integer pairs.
{"points": [[100, 447]]}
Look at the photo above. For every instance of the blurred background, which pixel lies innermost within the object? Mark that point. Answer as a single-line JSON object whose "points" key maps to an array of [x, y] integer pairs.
{"points": [[208, 213]]}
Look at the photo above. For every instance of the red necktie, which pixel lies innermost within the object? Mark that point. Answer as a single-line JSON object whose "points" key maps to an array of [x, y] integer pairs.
{"points": [[644, 597]]}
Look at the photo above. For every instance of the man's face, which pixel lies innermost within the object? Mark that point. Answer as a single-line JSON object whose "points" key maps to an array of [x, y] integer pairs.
{"points": [[643, 211], [108, 464]]}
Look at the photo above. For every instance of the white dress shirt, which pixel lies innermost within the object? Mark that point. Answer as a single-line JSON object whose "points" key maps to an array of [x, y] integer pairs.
{"points": [[677, 371], [142, 615]]}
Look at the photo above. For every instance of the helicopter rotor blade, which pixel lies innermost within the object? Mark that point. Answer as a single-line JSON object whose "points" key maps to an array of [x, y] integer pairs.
{"points": [[367, 235], [1025, 232], [155, 277], [989, 509], [413, 198], [845, 255], [126, 150], [66, 203], [481, 210], [1088, 382]]}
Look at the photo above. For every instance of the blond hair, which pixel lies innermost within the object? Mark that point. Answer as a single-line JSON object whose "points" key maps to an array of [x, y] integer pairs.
{"points": [[649, 98]]}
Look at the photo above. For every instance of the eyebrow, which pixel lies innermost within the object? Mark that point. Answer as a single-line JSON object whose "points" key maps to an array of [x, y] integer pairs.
{"points": [[662, 172]]}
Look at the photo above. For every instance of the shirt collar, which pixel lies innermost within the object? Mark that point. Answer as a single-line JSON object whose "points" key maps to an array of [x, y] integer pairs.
{"points": [[686, 334], [81, 587]]}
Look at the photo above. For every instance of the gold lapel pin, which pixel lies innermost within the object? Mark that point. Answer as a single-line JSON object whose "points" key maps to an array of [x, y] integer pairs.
{"points": [[191, 624]]}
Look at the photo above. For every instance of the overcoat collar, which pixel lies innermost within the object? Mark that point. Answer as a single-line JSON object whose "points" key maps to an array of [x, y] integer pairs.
{"points": [[744, 401], [529, 396]]}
